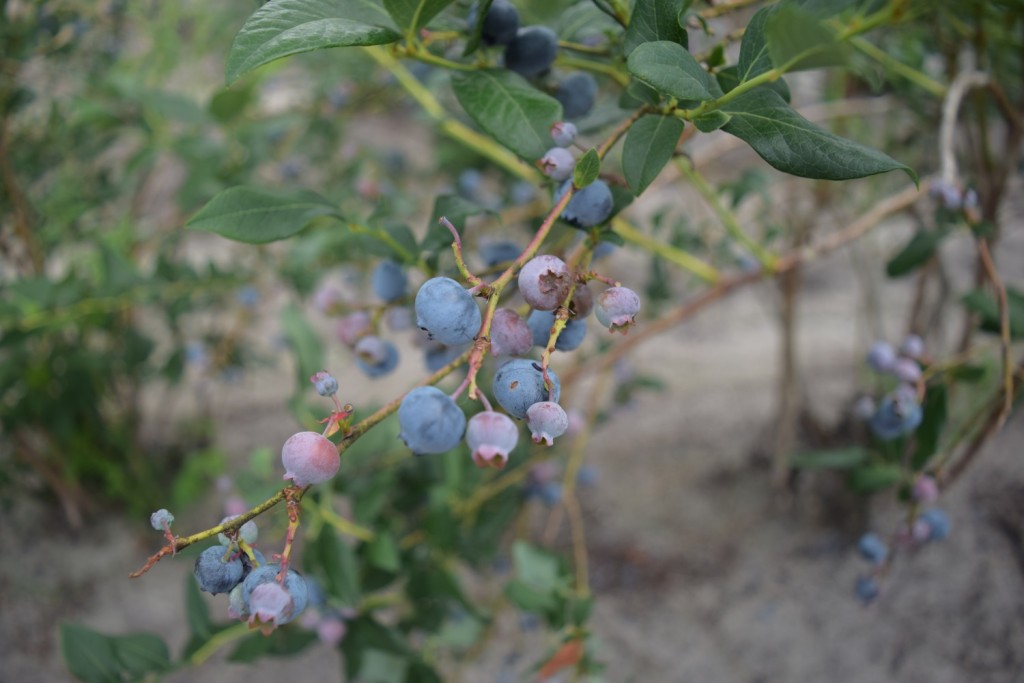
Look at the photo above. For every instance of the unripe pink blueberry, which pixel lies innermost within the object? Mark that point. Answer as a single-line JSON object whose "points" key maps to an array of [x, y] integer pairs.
{"points": [[907, 370], [325, 384], [547, 421], [544, 282], [353, 326], [912, 347], [327, 299], [563, 133], [372, 350], [331, 630], [582, 301], [491, 437], [925, 489], [557, 163], [270, 603], [235, 505], [309, 458], [616, 308], [510, 335]]}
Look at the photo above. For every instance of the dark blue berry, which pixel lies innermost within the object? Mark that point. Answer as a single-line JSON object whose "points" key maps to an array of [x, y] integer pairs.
{"points": [[532, 51], [577, 94]]}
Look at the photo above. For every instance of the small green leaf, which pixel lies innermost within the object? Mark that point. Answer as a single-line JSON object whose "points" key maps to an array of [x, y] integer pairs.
{"points": [[794, 145], [256, 216], [918, 250], [840, 458], [530, 599], [649, 145], [968, 374], [535, 567], [509, 109], [412, 15], [337, 567], [474, 37], [871, 478], [711, 121], [89, 655], [932, 422], [653, 20], [587, 169], [671, 70], [287, 27], [383, 551], [197, 613], [984, 303], [282, 642], [140, 654], [305, 344], [793, 34], [754, 56]]}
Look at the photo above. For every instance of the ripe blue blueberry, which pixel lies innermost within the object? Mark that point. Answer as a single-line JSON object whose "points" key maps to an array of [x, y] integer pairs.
{"points": [[881, 356], [491, 437], [389, 281], [867, 589], [577, 94], [469, 183], [519, 383], [500, 25], [544, 282], [557, 163], [309, 458], [161, 519], [447, 312], [325, 383], [616, 308], [872, 548], [938, 524], [912, 347], [532, 51], [899, 413], [563, 133], [510, 335], [375, 356], [497, 253], [547, 421], [569, 339], [522, 192], [430, 421], [436, 355], [590, 206], [214, 574]]}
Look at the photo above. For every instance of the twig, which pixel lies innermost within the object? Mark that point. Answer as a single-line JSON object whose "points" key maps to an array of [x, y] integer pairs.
{"points": [[1004, 328]]}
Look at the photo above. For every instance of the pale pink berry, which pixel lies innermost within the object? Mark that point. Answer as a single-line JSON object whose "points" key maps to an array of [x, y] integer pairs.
{"points": [[907, 370], [234, 506], [544, 282], [510, 335], [491, 437], [582, 301], [270, 603], [557, 163], [353, 326], [616, 308], [331, 630], [309, 458], [547, 421], [925, 489], [327, 299]]}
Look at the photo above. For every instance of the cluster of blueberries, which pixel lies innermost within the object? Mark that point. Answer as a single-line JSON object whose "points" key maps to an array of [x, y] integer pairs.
{"points": [[530, 51], [899, 412], [931, 525]]}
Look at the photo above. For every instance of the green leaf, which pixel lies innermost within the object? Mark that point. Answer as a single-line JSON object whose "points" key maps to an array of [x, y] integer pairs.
{"points": [[89, 655], [653, 20], [412, 15], [363, 635], [140, 654], [305, 344], [754, 56], [383, 667], [649, 145], [455, 209], [338, 567], [871, 478], [383, 551], [984, 303], [282, 642], [587, 169], [530, 599], [711, 121], [839, 458], [671, 70], [794, 145], [197, 613], [918, 250], [257, 216], [932, 422], [728, 78], [968, 374], [287, 27], [509, 109], [535, 567], [793, 34], [474, 37]]}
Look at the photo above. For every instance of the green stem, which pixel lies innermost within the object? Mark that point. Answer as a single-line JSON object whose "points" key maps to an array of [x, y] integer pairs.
{"points": [[597, 67], [217, 641], [672, 254], [894, 65]]}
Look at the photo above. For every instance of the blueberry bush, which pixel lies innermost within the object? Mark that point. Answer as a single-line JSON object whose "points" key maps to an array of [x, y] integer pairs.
{"points": [[556, 124]]}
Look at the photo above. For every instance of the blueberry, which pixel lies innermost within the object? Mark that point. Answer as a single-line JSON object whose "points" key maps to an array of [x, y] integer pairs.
{"points": [[437, 355], [938, 524], [881, 356], [547, 421], [563, 133], [389, 281], [331, 630], [398, 318], [544, 282], [912, 347], [864, 408], [925, 489], [522, 192], [430, 421], [616, 308], [557, 163], [872, 548], [867, 589], [899, 413], [906, 370], [160, 519], [604, 250], [215, 575], [500, 25], [238, 608], [551, 492], [577, 94], [532, 51], [247, 533], [353, 326], [447, 312], [469, 183], [327, 299], [309, 458], [325, 383], [248, 297], [270, 602], [497, 253], [582, 301], [491, 437], [590, 206], [510, 335], [376, 357], [571, 337], [519, 383]]}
